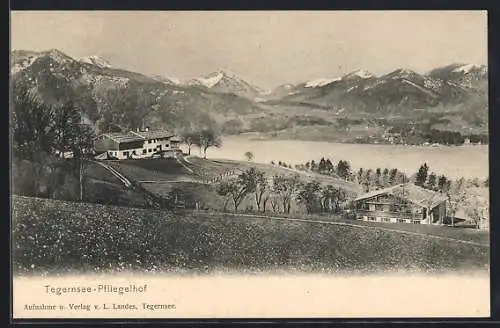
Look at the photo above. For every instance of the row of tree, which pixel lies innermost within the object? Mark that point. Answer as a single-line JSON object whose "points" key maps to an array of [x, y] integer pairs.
{"points": [[280, 192], [326, 167], [431, 180], [379, 178]]}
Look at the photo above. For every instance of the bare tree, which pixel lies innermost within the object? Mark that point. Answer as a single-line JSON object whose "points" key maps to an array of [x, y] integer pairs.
{"points": [[286, 188], [208, 138], [456, 196], [82, 149], [189, 138], [261, 189]]}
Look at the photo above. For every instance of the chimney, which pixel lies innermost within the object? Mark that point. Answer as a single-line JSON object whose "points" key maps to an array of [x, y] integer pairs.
{"points": [[137, 130]]}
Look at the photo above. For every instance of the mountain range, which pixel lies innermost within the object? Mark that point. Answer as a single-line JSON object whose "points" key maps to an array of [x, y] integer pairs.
{"points": [[112, 97]]}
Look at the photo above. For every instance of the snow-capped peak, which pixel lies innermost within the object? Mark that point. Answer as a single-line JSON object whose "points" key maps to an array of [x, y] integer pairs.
{"points": [[210, 80], [360, 73], [405, 71], [167, 80], [96, 60], [174, 80], [320, 82], [466, 68]]}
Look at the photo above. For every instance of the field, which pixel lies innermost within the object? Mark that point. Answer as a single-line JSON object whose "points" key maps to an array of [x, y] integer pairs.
{"points": [[57, 237], [193, 178]]}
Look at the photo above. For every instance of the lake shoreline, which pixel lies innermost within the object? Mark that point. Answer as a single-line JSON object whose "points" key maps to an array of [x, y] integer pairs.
{"points": [[468, 161], [256, 136]]}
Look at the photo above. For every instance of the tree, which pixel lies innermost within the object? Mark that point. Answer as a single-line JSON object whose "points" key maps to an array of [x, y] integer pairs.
{"points": [[343, 169], [309, 194], [378, 174], [66, 127], [81, 147], [360, 176], [331, 197], [308, 166], [313, 165], [208, 138], [32, 125], [431, 181], [329, 166], [189, 138], [261, 188], [392, 176], [249, 155], [285, 187], [368, 179], [226, 189], [385, 177], [322, 165], [456, 196], [443, 184], [238, 188], [421, 176]]}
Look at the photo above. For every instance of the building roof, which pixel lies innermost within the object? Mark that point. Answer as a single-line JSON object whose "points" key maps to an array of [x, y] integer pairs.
{"points": [[153, 134], [130, 136], [411, 192]]}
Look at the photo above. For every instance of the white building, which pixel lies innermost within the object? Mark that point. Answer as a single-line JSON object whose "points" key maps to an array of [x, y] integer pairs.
{"points": [[137, 144]]}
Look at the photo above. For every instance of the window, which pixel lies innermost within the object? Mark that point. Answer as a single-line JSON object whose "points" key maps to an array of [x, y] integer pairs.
{"points": [[386, 220], [125, 153], [149, 150], [379, 207], [144, 151], [401, 220], [371, 218]]}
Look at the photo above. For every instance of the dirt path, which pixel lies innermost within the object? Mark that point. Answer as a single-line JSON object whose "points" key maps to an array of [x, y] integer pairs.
{"points": [[117, 174]]}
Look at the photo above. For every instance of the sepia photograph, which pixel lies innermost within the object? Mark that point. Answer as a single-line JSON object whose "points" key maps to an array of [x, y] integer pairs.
{"points": [[214, 164]]}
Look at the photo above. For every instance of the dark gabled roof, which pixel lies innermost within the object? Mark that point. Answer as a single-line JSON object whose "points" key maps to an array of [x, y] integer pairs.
{"points": [[121, 137], [411, 192], [155, 134]]}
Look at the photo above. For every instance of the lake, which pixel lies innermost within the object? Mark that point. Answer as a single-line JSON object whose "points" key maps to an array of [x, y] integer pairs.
{"points": [[454, 162]]}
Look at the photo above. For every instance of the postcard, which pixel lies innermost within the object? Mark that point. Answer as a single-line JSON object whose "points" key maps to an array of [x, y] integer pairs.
{"points": [[249, 164]]}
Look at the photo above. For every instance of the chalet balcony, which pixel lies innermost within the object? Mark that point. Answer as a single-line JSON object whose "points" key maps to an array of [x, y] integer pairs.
{"points": [[388, 214]]}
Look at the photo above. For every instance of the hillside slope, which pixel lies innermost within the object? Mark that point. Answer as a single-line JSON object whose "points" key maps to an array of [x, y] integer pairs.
{"points": [[112, 97], [398, 91], [56, 237]]}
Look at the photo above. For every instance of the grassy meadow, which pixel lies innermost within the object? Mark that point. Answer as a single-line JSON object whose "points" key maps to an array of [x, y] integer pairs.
{"points": [[57, 237]]}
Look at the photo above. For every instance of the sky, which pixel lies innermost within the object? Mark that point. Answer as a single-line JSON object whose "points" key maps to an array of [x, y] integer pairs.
{"points": [[265, 48]]}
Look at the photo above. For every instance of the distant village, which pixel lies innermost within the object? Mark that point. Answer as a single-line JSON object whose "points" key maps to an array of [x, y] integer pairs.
{"points": [[445, 139]]}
